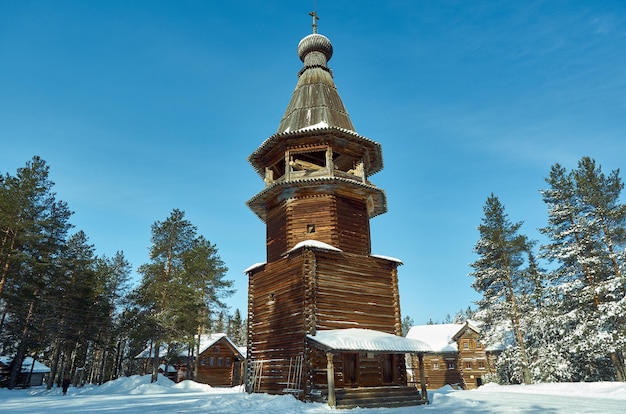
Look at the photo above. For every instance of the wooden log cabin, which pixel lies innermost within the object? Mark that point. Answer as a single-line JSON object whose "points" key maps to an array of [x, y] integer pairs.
{"points": [[457, 358], [320, 274], [220, 361]]}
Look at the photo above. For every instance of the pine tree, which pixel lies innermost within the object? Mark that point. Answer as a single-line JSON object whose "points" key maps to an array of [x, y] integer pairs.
{"points": [[33, 227], [497, 276], [182, 283], [587, 233], [113, 278]]}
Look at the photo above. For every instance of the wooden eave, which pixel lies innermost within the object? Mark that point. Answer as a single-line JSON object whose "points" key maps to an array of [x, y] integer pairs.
{"points": [[227, 341], [463, 329], [274, 147], [403, 345], [319, 185]]}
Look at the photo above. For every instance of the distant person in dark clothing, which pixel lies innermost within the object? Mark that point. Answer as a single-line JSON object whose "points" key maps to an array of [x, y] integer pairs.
{"points": [[66, 384]]}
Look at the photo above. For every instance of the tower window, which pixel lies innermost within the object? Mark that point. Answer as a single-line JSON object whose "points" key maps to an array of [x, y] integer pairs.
{"points": [[310, 228]]}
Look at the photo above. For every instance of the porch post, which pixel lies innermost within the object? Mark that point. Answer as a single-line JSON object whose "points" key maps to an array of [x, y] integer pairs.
{"points": [[420, 358], [330, 374]]}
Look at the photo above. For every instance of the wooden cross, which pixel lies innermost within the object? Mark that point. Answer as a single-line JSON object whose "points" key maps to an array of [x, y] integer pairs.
{"points": [[315, 19]]}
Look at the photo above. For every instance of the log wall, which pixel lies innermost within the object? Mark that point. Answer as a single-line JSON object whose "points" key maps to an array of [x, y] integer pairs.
{"points": [[313, 289], [217, 365], [276, 319], [356, 291], [339, 221]]}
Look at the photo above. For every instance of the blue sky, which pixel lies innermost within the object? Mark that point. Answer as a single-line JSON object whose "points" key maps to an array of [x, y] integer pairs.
{"points": [[140, 107]]}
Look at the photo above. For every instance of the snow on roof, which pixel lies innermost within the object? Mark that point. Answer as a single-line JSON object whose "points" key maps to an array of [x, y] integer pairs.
{"points": [[170, 368], [254, 266], [243, 350], [319, 125], [314, 243], [438, 337], [206, 341], [357, 339], [149, 352], [392, 259], [27, 364]]}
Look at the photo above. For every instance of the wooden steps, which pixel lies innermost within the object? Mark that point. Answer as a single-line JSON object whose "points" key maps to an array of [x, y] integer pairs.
{"points": [[373, 397]]}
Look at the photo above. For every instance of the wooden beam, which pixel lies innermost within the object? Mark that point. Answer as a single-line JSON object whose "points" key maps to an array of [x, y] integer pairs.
{"points": [[330, 373], [304, 165], [420, 358]]}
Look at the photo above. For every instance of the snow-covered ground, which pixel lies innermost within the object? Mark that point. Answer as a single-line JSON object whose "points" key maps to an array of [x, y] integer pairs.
{"points": [[135, 395]]}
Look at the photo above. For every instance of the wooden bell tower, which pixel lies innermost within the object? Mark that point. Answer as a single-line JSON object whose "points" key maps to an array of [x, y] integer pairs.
{"points": [[320, 273]]}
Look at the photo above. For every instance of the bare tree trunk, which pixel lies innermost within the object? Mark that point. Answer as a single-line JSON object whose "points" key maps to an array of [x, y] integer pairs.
{"points": [[55, 363], [21, 349], [103, 356], [118, 360], [517, 330], [618, 361], [155, 361], [61, 370]]}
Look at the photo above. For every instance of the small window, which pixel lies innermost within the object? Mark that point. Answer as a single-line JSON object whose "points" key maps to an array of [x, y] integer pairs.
{"points": [[468, 365], [203, 361], [310, 228], [451, 365], [481, 364], [216, 349], [220, 361], [228, 362], [465, 345], [211, 361], [435, 365]]}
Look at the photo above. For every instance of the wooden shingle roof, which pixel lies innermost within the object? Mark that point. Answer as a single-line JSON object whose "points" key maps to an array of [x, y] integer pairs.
{"points": [[315, 98]]}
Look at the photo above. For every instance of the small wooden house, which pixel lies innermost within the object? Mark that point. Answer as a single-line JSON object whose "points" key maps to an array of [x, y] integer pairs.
{"points": [[458, 357], [320, 277], [220, 361], [33, 372]]}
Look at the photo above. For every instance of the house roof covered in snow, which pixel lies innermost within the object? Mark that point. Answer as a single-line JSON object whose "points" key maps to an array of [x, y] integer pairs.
{"points": [[357, 339], [439, 337], [27, 364], [206, 341], [442, 337]]}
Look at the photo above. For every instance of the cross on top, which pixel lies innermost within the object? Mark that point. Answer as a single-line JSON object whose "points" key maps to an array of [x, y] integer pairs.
{"points": [[315, 19]]}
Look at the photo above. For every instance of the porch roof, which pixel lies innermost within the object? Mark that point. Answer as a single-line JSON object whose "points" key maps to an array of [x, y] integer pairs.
{"points": [[366, 340]]}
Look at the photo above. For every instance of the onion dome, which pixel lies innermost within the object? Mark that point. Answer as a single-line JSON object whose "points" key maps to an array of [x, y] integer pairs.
{"points": [[315, 50]]}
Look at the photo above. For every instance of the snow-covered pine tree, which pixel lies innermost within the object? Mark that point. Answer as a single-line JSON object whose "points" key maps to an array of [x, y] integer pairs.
{"points": [[497, 276], [587, 233]]}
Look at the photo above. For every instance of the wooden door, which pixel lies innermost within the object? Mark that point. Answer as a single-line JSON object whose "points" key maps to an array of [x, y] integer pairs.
{"points": [[387, 368], [350, 369]]}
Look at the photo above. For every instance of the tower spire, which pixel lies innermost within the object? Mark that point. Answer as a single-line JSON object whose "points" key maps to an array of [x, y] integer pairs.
{"points": [[315, 19]]}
